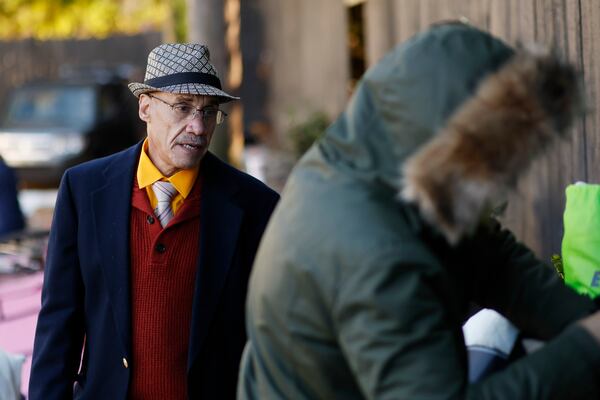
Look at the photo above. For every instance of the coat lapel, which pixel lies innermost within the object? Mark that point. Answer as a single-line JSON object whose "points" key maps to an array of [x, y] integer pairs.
{"points": [[111, 206], [220, 220]]}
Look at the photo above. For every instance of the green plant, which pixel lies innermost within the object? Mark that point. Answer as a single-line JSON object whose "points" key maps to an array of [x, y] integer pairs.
{"points": [[302, 135], [558, 265]]}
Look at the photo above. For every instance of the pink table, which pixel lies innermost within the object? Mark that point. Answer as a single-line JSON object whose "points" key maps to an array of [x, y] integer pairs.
{"points": [[19, 306]]}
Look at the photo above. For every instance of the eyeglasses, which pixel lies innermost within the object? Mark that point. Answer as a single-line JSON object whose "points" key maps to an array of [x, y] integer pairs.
{"points": [[184, 111]]}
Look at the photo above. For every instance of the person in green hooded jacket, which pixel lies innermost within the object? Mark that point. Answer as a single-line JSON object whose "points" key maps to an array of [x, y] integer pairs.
{"points": [[382, 242]]}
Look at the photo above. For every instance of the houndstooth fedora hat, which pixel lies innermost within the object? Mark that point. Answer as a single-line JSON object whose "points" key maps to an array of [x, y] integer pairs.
{"points": [[181, 68]]}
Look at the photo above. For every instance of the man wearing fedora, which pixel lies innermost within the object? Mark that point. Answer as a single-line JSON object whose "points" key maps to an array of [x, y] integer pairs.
{"points": [[149, 253]]}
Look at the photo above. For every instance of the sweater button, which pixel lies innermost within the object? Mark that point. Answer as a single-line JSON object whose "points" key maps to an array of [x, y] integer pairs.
{"points": [[150, 219], [161, 248], [125, 363]]}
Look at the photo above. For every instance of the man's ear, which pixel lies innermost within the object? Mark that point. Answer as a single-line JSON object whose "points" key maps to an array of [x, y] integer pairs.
{"points": [[144, 108]]}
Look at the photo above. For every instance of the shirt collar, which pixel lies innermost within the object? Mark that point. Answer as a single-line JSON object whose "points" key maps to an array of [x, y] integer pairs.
{"points": [[147, 174]]}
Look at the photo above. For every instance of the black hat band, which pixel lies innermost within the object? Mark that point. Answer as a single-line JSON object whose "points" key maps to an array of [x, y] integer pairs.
{"points": [[184, 77]]}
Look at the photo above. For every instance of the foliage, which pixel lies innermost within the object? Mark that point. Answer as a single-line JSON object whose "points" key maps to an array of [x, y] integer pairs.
{"points": [[558, 265], [302, 135], [180, 20], [57, 19]]}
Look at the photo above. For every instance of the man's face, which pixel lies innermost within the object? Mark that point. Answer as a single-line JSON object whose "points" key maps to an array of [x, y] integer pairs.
{"points": [[176, 141]]}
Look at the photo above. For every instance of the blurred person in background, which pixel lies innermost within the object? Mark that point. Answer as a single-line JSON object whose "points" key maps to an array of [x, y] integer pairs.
{"points": [[149, 253], [10, 375], [11, 217], [382, 241]]}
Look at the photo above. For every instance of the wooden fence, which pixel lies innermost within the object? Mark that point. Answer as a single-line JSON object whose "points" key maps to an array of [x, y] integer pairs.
{"points": [[26, 60], [536, 208]]}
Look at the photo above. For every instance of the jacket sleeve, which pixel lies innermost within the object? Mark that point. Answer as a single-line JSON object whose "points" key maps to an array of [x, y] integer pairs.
{"points": [[60, 327], [402, 342], [510, 279]]}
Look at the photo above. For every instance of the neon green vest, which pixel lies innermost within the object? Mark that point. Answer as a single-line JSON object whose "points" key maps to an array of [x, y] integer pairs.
{"points": [[581, 241]]}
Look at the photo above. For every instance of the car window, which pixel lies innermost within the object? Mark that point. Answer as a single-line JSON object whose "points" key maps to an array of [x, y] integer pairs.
{"points": [[67, 107]]}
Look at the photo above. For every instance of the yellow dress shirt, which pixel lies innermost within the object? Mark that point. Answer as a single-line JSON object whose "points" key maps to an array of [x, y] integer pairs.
{"points": [[147, 174]]}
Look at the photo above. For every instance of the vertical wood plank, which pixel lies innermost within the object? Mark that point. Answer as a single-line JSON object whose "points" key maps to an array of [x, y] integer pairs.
{"points": [[379, 29], [478, 12], [499, 21], [524, 21], [590, 24], [408, 16]]}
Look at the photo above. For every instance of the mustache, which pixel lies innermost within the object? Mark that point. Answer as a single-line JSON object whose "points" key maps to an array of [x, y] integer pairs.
{"points": [[192, 140]]}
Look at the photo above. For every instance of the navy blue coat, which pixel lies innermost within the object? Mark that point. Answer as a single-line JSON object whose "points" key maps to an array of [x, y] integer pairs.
{"points": [[87, 281], [11, 217]]}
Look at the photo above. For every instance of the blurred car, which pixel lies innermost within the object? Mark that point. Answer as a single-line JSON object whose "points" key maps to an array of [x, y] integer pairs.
{"points": [[46, 127]]}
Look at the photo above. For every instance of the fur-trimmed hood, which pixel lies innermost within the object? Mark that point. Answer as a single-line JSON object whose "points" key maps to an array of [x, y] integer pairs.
{"points": [[449, 120]]}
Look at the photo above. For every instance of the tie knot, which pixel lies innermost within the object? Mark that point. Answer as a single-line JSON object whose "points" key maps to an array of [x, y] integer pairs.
{"points": [[163, 191]]}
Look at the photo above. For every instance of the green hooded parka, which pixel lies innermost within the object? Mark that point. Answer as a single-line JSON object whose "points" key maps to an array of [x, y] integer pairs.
{"points": [[353, 295]]}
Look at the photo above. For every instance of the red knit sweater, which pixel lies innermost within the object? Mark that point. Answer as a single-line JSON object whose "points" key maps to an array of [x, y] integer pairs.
{"points": [[163, 271]]}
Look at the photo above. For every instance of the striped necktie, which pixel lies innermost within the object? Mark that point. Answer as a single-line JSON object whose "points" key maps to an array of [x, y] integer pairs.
{"points": [[164, 192]]}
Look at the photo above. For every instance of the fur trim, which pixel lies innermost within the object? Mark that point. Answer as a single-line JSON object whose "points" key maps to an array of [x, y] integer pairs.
{"points": [[491, 140]]}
